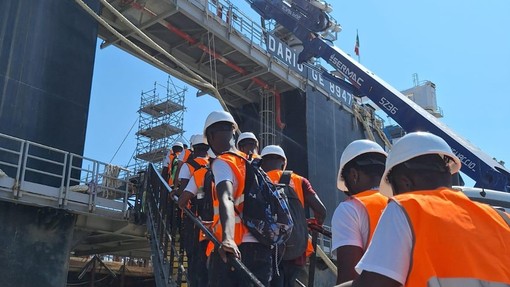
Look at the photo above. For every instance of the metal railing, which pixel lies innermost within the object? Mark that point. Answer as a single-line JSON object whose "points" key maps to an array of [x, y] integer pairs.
{"points": [[161, 227], [36, 174], [325, 243], [166, 226], [236, 20]]}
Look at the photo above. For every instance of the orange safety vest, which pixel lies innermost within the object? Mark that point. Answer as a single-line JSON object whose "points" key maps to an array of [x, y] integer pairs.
{"points": [[187, 153], [237, 164], [456, 241], [374, 203], [172, 156], [201, 161], [297, 184]]}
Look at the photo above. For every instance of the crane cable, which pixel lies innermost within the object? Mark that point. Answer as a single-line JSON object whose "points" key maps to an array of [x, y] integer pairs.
{"points": [[122, 143]]}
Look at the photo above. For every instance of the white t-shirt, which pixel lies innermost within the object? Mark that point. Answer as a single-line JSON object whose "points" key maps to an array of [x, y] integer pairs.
{"points": [[180, 157], [184, 172], [389, 253], [192, 186], [166, 160], [222, 171], [350, 224]]}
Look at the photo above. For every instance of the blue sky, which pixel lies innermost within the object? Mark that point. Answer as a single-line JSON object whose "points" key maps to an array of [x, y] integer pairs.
{"points": [[461, 46]]}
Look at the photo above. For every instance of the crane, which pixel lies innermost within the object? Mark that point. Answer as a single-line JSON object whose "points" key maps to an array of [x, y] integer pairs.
{"points": [[307, 18]]}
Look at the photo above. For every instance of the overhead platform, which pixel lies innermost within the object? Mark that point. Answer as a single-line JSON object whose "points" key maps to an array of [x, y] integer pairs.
{"points": [[213, 38], [257, 75], [161, 109], [97, 235], [155, 155], [159, 132]]}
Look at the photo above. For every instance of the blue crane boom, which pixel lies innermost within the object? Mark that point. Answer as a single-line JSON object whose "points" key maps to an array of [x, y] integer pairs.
{"points": [[305, 20]]}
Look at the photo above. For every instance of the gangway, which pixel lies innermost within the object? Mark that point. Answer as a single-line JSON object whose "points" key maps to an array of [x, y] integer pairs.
{"points": [[96, 192]]}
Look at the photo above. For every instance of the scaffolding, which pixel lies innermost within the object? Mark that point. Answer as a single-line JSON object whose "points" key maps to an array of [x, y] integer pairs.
{"points": [[267, 134], [161, 118]]}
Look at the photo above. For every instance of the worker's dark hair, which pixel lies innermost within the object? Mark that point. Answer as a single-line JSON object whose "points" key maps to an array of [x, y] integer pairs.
{"points": [[177, 149], [247, 142], [201, 147], [429, 167], [371, 164]]}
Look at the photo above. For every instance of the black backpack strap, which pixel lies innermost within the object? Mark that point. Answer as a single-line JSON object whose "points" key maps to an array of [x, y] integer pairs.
{"points": [[249, 174], [285, 178], [503, 215], [248, 181], [194, 164], [249, 177]]}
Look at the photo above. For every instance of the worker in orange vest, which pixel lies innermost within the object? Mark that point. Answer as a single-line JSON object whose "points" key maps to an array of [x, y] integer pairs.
{"points": [[191, 191], [274, 162], [193, 161], [170, 163], [182, 157], [431, 234], [247, 142], [229, 169], [355, 219]]}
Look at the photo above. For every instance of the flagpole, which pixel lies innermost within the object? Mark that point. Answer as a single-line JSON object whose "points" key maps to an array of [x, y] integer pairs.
{"points": [[356, 47]]}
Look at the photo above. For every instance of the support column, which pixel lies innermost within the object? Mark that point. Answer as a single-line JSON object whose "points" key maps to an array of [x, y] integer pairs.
{"points": [[35, 245], [47, 51]]}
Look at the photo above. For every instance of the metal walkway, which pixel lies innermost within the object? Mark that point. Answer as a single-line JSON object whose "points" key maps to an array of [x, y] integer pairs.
{"points": [[98, 193], [221, 43]]}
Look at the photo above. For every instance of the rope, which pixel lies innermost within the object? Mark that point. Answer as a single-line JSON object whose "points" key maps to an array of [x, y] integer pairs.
{"points": [[357, 113], [123, 141], [212, 60]]}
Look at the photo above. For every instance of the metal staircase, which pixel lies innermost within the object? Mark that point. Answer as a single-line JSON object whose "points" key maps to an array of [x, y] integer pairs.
{"points": [[168, 256]]}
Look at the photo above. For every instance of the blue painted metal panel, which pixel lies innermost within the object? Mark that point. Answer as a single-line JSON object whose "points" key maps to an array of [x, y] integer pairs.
{"points": [[487, 172]]}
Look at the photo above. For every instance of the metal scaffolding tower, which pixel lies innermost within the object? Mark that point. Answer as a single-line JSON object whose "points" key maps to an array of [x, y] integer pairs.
{"points": [[161, 117], [267, 134]]}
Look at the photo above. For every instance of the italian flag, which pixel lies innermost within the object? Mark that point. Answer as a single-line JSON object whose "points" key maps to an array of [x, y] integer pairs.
{"points": [[356, 46]]}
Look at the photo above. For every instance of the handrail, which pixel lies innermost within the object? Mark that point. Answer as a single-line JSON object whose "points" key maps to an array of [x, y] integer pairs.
{"points": [[158, 224], [43, 175], [157, 194], [238, 265], [236, 20], [325, 232]]}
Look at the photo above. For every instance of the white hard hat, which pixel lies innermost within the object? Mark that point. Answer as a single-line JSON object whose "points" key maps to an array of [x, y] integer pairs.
{"points": [[246, 135], [191, 139], [198, 139], [179, 144], [273, 149], [353, 150], [413, 145], [219, 116]]}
